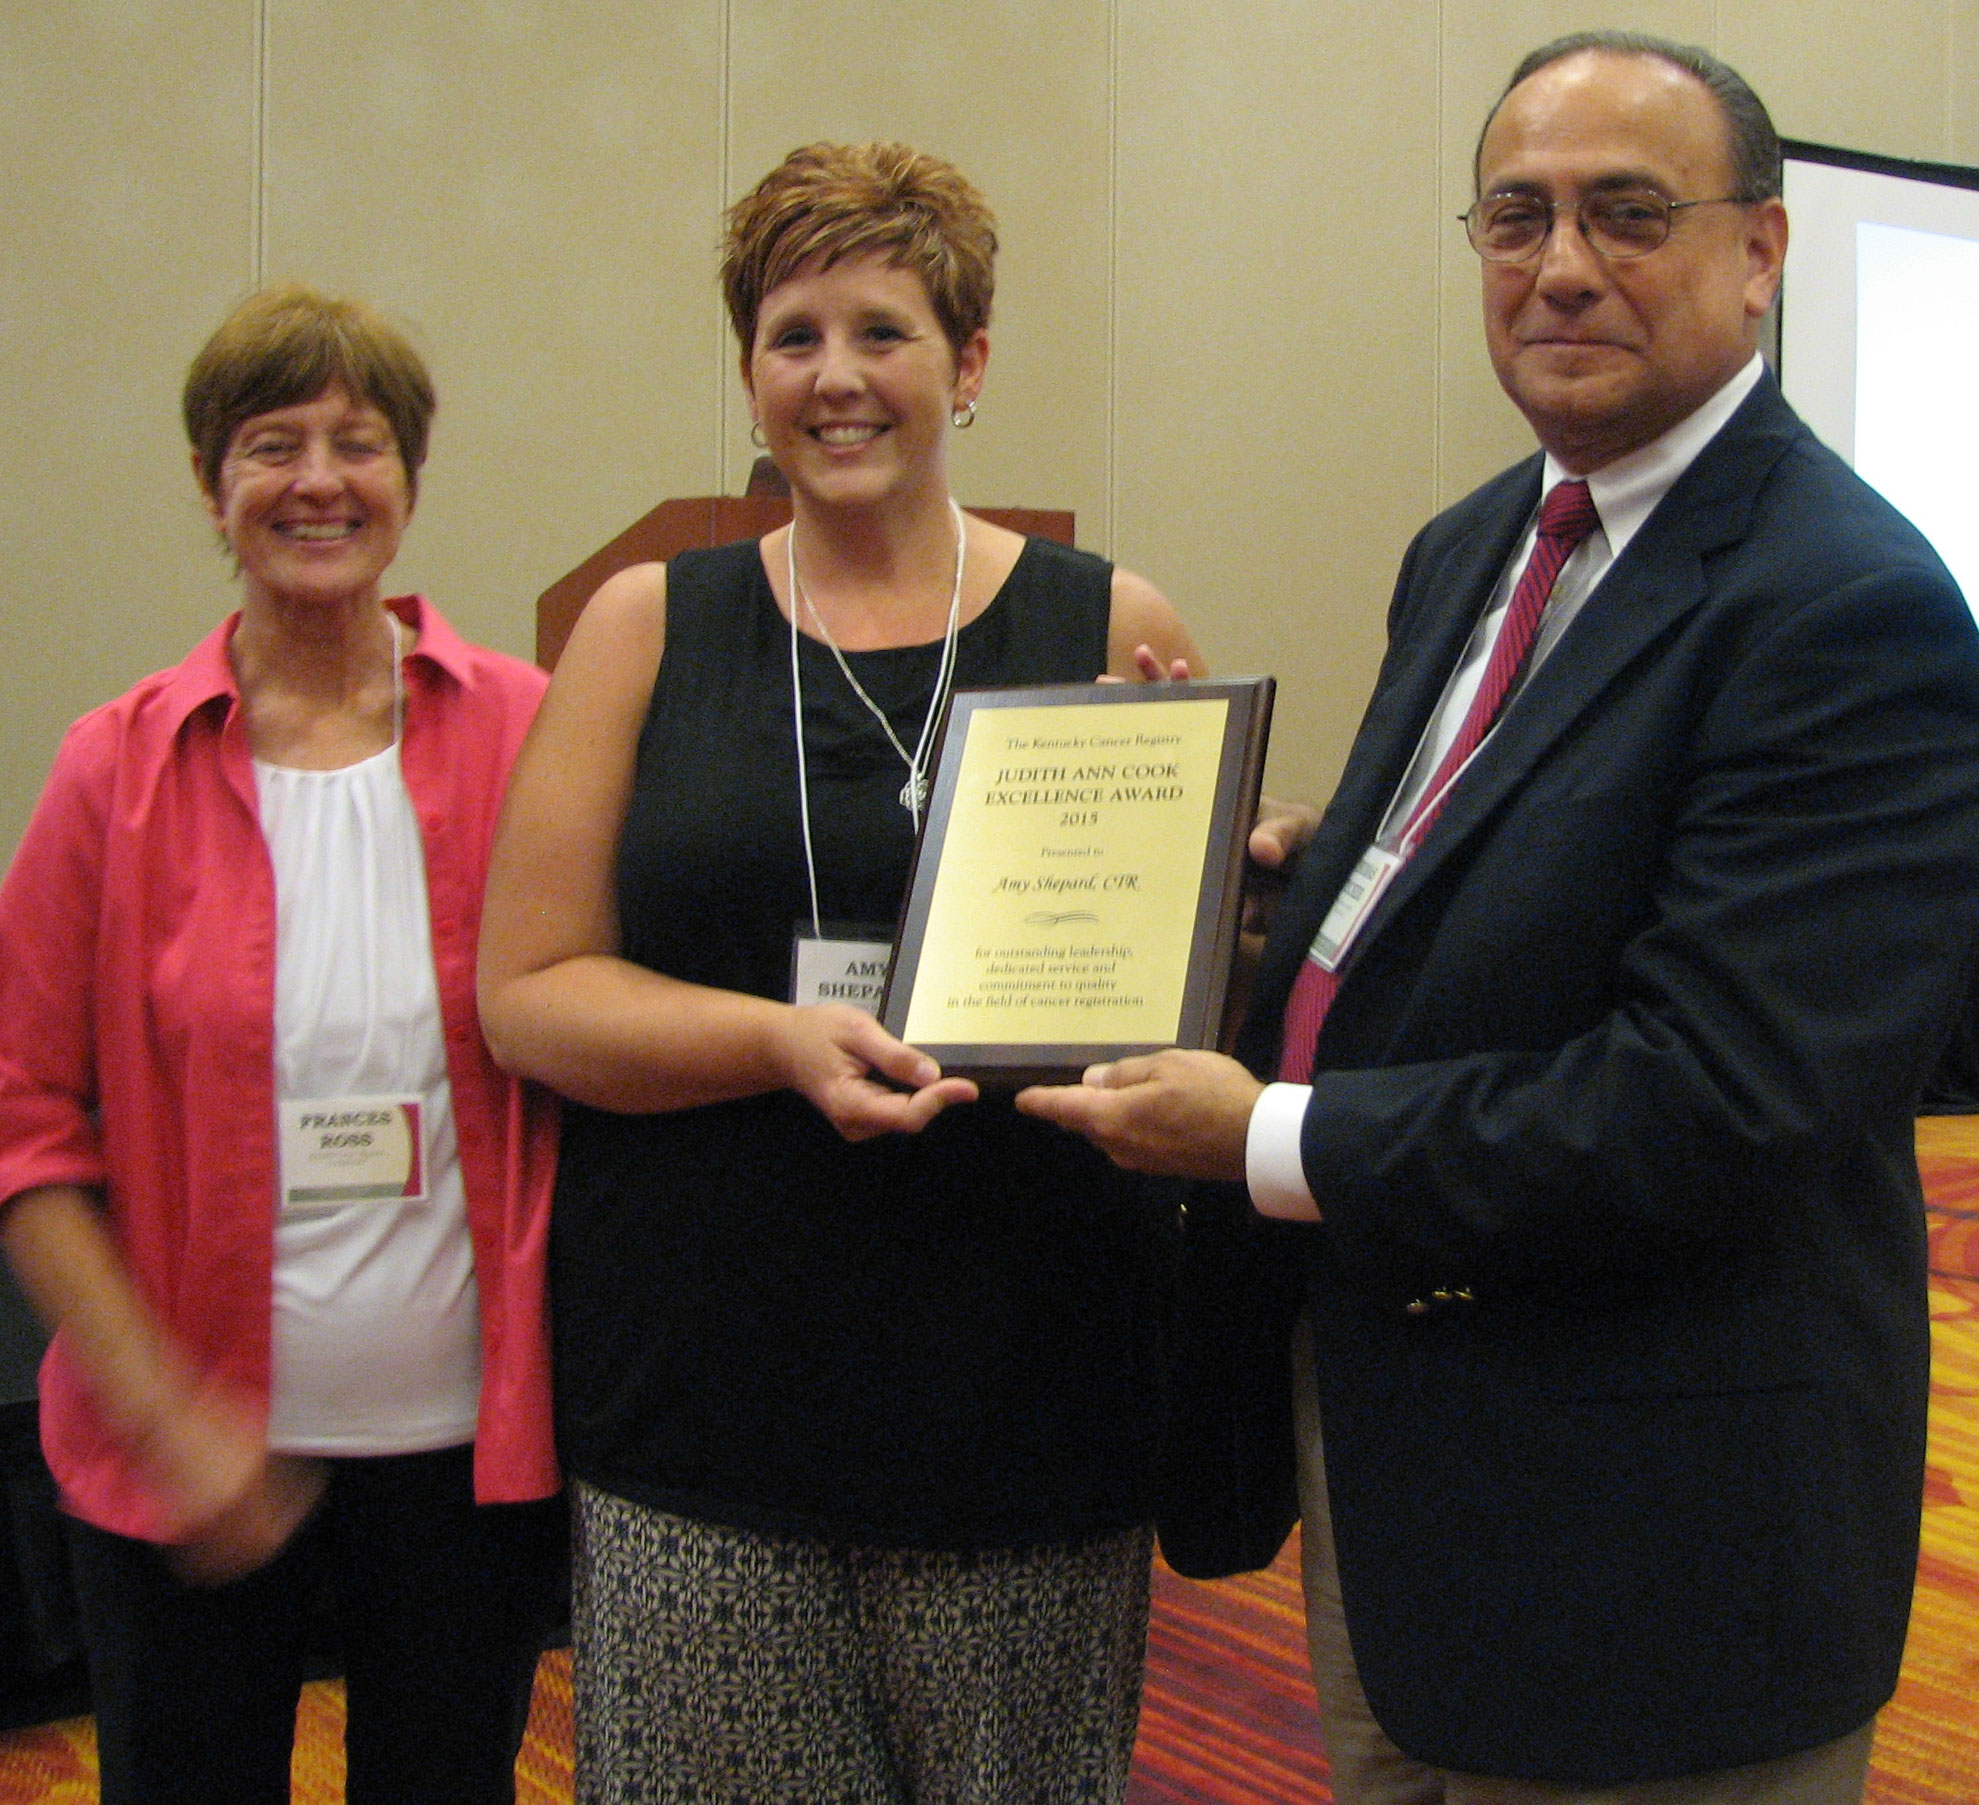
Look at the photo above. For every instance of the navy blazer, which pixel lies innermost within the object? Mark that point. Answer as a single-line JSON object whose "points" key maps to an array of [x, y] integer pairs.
{"points": [[1619, 1292]]}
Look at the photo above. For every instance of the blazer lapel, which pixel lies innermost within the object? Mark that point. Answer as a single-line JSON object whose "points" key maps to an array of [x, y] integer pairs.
{"points": [[1656, 582], [1436, 609]]}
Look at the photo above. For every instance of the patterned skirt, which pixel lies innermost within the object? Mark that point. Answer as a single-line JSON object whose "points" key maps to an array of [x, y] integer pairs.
{"points": [[718, 1665]]}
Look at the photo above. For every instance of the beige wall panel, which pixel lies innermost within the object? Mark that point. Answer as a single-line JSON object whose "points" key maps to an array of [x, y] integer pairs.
{"points": [[1016, 96], [1285, 377], [530, 188], [126, 135], [1864, 77], [1481, 432], [1277, 337], [1962, 85]]}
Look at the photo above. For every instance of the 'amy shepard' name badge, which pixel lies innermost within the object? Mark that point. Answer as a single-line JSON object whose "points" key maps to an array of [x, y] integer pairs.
{"points": [[827, 970], [342, 1150]]}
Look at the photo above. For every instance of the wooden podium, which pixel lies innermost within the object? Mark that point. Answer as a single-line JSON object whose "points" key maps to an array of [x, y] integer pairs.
{"points": [[679, 525]]}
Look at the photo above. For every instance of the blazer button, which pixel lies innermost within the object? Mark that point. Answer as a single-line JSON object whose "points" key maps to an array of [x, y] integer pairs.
{"points": [[1417, 1306]]}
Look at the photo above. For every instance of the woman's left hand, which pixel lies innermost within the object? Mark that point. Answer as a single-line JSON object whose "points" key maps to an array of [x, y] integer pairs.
{"points": [[1146, 641], [1148, 662], [1148, 666]]}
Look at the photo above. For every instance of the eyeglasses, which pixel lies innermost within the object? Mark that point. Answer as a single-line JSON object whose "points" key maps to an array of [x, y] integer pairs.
{"points": [[1508, 228]]}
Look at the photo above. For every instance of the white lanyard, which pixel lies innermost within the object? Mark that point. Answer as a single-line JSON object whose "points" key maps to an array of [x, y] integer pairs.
{"points": [[913, 792]]}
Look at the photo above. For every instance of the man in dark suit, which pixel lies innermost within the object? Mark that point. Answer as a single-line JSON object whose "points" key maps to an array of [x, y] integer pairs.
{"points": [[1600, 1003]]}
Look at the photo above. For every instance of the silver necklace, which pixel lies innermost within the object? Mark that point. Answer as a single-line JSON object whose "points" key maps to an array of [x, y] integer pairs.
{"points": [[914, 792]]}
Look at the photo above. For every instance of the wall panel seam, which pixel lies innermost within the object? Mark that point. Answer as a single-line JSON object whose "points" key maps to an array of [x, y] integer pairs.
{"points": [[257, 232], [724, 156], [1440, 270], [1111, 487]]}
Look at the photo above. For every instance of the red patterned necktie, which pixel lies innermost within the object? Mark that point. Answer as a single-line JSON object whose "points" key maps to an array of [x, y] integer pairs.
{"points": [[1566, 519]]}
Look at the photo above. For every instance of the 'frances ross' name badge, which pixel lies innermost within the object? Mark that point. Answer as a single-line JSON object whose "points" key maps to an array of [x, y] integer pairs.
{"points": [[343, 1150]]}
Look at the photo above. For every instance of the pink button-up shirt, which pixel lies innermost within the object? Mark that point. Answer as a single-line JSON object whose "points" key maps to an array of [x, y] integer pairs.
{"points": [[137, 973]]}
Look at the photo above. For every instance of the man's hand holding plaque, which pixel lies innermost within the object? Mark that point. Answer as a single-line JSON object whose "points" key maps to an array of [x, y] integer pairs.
{"points": [[1178, 1114]]}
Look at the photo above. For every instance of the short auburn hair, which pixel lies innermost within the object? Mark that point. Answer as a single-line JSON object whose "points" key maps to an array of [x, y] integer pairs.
{"points": [[833, 201], [288, 344]]}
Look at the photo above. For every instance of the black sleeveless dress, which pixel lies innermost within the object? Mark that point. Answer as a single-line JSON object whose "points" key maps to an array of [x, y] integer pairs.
{"points": [[945, 1340]]}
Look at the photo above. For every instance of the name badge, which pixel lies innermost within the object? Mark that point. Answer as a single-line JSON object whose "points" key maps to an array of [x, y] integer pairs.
{"points": [[824, 970], [1353, 906], [341, 1150]]}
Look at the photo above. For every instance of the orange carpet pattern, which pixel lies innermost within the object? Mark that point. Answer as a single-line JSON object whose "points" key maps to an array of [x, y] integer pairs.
{"points": [[1927, 1742], [1229, 1715]]}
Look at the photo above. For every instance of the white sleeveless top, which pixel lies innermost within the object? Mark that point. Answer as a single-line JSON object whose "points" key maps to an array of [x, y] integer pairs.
{"points": [[377, 1341]]}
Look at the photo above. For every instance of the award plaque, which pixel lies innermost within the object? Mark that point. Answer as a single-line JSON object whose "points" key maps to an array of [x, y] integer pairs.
{"points": [[1078, 885]]}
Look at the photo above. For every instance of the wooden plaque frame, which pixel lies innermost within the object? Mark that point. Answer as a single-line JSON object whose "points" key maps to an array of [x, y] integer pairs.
{"points": [[1211, 949]]}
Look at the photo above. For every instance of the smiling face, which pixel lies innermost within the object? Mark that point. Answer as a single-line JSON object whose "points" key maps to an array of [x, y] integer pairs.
{"points": [[1603, 356], [853, 380], [313, 500]]}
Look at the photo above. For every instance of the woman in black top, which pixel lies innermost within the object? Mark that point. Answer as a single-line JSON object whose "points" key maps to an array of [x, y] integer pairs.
{"points": [[855, 1371]]}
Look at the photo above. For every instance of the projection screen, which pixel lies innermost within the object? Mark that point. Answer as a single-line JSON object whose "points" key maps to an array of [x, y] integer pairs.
{"points": [[1879, 331]]}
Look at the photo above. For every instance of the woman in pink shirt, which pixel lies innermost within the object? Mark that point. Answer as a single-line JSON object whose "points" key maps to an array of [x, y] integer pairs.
{"points": [[258, 1171]]}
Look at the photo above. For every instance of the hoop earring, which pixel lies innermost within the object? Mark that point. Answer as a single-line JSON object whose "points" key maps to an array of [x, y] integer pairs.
{"points": [[963, 417], [757, 437]]}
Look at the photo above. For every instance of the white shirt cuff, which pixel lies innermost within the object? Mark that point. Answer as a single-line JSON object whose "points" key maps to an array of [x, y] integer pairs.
{"points": [[1272, 1167]]}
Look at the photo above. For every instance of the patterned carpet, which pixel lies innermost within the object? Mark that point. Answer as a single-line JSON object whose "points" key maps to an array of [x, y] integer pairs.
{"points": [[1927, 1743], [1229, 1717]]}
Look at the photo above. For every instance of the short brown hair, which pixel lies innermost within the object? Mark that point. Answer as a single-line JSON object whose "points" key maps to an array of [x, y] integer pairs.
{"points": [[288, 344], [833, 201]]}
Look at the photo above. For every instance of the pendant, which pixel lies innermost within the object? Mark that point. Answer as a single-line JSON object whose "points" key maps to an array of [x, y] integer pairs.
{"points": [[914, 793]]}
